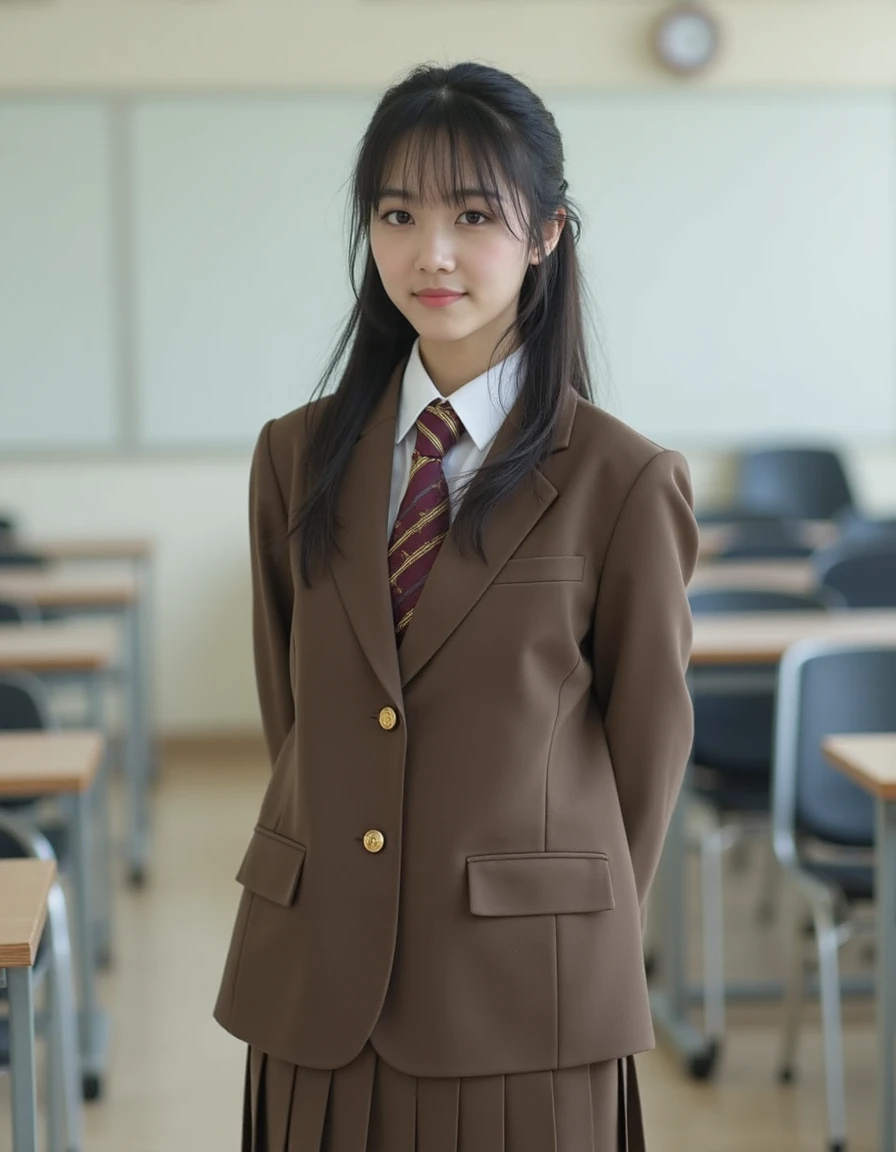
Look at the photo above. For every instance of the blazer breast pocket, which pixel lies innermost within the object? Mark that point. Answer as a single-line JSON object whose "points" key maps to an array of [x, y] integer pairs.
{"points": [[541, 570]]}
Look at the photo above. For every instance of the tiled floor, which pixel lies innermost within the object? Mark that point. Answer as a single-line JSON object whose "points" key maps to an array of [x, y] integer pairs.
{"points": [[175, 1079]]}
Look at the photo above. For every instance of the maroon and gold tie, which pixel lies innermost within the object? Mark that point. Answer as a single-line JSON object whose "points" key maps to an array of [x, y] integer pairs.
{"points": [[424, 516]]}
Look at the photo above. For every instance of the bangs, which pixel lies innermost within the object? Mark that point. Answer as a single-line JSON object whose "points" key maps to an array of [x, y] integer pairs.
{"points": [[446, 152]]}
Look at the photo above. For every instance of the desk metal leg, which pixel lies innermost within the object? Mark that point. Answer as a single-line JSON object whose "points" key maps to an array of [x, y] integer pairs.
{"points": [[146, 667], [24, 1088], [136, 756], [104, 855], [885, 848], [91, 1025]]}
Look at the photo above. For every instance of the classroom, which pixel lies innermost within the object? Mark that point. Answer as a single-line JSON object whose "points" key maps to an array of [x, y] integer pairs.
{"points": [[620, 874]]}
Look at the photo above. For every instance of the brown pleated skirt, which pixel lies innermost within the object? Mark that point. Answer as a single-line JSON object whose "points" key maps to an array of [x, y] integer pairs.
{"points": [[368, 1106]]}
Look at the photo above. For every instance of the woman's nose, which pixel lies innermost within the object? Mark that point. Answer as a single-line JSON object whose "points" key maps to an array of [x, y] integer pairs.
{"points": [[436, 251]]}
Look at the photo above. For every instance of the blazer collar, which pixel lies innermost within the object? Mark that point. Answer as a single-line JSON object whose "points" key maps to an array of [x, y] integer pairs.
{"points": [[361, 568]]}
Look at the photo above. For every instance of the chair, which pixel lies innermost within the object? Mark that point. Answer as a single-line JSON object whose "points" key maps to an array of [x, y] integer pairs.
{"points": [[733, 514], [731, 775], [16, 559], [794, 483], [19, 612], [767, 538], [53, 966], [24, 707], [864, 573], [855, 529], [823, 824]]}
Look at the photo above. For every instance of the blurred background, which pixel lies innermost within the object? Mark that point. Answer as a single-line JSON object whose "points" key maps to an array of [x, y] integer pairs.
{"points": [[173, 273]]}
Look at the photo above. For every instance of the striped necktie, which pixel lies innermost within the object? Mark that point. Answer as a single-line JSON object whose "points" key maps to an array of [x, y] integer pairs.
{"points": [[424, 515]]}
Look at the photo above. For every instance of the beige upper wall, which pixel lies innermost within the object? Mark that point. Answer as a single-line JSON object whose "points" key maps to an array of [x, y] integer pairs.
{"points": [[108, 44]]}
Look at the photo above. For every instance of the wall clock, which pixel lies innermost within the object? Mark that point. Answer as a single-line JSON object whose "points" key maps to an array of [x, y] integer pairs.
{"points": [[686, 38]]}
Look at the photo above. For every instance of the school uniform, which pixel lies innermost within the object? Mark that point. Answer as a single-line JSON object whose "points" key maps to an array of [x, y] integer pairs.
{"points": [[438, 946]]}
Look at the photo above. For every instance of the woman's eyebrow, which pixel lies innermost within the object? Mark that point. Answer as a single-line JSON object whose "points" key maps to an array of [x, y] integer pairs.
{"points": [[462, 193]]}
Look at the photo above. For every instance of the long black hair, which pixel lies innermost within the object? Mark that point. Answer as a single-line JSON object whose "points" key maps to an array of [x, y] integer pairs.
{"points": [[444, 118]]}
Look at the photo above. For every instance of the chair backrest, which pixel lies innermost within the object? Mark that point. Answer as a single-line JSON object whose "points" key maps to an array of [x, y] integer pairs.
{"points": [[825, 688], [856, 529], [24, 705], [795, 483], [769, 538], [864, 573], [19, 612], [733, 732], [15, 559]]}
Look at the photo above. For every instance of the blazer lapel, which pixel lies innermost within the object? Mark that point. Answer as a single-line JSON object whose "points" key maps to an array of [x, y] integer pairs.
{"points": [[456, 582], [361, 571]]}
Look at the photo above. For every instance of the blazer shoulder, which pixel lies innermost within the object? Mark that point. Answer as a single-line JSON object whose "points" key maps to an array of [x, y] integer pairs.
{"points": [[617, 447], [287, 434]]}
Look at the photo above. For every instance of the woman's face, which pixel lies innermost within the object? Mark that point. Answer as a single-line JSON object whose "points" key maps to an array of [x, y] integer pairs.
{"points": [[421, 244]]}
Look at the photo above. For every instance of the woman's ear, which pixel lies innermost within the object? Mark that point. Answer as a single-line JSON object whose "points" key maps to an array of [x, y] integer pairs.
{"points": [[550, 233]]}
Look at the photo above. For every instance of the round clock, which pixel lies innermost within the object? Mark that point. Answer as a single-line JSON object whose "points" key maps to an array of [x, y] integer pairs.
{"points": [[686, 38]]}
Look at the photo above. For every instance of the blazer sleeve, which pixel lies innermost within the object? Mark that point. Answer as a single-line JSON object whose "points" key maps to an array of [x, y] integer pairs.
{"points": [[642, 641], [272, 596]]}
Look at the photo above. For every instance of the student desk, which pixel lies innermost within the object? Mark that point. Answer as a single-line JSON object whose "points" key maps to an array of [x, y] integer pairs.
{"points": [[24, 888], [104, 593], [82, 653], [50, 763], [140, 553], [759, 638], [714, 538], [871, 762], [774, 575]]}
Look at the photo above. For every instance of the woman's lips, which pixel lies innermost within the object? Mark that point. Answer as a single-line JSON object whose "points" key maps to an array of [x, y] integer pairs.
{"points": [[438, 299]]}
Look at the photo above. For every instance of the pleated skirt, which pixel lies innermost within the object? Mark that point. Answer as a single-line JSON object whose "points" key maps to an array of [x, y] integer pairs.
{"points": [[368, 1106]]}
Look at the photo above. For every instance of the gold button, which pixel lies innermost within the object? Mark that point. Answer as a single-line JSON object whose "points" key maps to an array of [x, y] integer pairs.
{"points": [[374, 840], [388, 718]]}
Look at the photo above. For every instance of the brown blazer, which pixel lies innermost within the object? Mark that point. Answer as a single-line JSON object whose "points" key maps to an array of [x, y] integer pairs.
{"points": [[541, 729]]}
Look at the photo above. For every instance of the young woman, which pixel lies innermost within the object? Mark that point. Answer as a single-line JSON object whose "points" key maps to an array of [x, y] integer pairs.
{"points": [[471, 632]]}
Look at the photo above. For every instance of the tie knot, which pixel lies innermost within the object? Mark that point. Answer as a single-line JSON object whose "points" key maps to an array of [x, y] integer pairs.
{"points": [[438, 429]]}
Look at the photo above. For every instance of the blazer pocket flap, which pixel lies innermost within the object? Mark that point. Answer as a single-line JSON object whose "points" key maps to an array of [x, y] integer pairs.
{"points": [[539, 884], [272, 866], [541, 569]]}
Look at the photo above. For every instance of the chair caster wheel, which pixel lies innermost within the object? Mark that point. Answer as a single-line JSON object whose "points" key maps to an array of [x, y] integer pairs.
{"points": [[91, 1086], [786, 1076], [137, 876], [702, 1065]]}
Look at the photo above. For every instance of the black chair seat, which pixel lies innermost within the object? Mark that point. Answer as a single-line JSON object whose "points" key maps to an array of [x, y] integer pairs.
{"points": [[856, 881], [729, 794]]}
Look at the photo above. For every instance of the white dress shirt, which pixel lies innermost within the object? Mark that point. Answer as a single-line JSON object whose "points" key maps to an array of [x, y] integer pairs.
{"points": [[482, 406]]}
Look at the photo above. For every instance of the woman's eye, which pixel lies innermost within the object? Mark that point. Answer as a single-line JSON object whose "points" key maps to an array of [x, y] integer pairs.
{"points": [[482, 217], [397, 212]]}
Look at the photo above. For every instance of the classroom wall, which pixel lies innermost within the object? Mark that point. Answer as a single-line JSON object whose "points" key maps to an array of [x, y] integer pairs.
{"points": [[195, 508], [573, 43]]}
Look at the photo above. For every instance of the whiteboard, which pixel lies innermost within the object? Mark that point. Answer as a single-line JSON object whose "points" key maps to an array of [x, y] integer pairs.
{"points": [[741, 251], [57, 342], [241, 257]]}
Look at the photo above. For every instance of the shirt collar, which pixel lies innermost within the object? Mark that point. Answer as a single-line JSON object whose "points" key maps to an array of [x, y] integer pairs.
{"points": [[481, 404]]}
